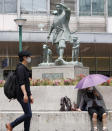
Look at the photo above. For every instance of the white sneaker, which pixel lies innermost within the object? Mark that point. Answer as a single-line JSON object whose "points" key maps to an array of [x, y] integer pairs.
{"points": [[104, 128], [95, 129]]}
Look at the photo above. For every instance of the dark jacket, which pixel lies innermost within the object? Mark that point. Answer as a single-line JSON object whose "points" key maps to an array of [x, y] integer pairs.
{"points": [[23, 75], [89, 102]]}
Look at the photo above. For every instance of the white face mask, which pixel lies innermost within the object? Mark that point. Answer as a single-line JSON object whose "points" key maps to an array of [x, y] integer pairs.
{"points": [[28, 59]]}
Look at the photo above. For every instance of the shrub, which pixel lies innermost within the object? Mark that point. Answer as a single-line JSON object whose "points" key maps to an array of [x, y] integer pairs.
{"points": [[46, 82], [109, 82], [57, 82], [2, 82], [67, 82], [79, 77]]}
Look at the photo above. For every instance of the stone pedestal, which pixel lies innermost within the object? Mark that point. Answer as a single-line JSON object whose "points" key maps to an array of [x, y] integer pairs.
{"points": [[58, 72]]}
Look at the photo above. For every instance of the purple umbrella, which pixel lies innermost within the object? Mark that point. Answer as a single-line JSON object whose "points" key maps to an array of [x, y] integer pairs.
{"points": [[91, 80]]}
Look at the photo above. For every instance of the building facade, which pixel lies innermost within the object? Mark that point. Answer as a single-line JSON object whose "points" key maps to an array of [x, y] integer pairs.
{"points": [[92, 19]]}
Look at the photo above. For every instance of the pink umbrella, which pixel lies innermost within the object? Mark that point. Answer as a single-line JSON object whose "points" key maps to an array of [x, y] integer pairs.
{"points": [[91, 80]]}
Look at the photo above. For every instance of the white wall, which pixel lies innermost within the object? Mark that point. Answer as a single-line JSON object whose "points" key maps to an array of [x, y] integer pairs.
{"points": [[109, 26], [7, 22], [95, 23], [47, 98]]}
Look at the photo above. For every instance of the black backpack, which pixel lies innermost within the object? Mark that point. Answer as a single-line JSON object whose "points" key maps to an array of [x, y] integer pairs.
{"points": [[65, 104], [11, 86]]}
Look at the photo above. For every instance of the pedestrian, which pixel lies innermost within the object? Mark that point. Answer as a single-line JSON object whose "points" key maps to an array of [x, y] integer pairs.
{"points": [[91, 102], [24, 96]]}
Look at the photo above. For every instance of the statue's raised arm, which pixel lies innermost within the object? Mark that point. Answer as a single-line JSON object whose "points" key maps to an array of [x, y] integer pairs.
{"points": [[62, 16], [67, 11]]}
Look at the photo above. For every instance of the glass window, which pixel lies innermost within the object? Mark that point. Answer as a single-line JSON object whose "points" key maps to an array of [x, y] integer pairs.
{"points": [[53, 4], [70, 4], [89, 62], [110, 7], [10, 6], [1, 5], [85, 7], [26, 6], [91, 7], [103, 64], [40, 5], [33, 5], [98, 7]]}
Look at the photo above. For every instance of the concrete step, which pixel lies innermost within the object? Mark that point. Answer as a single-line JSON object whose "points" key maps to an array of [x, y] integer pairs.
{"points": [[54, 121], [47, 98]]}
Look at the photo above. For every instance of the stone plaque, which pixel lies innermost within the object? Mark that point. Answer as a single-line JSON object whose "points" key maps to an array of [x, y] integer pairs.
{"points": [[52, 76]]}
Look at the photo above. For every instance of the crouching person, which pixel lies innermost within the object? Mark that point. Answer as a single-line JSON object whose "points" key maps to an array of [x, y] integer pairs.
{"points": [[91, 102], [24, 95]]}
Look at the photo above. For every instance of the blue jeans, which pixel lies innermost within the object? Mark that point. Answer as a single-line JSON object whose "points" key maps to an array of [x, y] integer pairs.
{"points": [[26, 118]]}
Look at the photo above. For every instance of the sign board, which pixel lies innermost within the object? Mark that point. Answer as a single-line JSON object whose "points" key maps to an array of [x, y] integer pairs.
{"points": [[52, 76]]}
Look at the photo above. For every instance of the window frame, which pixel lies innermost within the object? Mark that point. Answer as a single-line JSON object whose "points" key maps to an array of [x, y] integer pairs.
{"points": [[3, 8], [63, 1], [109, 13], [34, 11], [91, 10]]}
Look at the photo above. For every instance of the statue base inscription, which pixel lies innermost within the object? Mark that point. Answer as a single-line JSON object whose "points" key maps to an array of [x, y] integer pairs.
{"points": [[58, 72], [52, 76]]}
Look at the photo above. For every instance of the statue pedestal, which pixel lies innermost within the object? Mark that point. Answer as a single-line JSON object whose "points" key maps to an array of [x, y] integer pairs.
{"points": [[58, 72]]}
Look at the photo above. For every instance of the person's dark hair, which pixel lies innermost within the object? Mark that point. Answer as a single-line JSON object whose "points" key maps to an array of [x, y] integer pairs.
{"points": [[21, 54], [93, 94]]}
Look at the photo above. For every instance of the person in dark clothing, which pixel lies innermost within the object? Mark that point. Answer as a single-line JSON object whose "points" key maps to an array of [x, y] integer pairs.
{"points": [[24, 95], [92, 101]]}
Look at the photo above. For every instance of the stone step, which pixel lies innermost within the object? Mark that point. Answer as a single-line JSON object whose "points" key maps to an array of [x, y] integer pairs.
{"points": [[47, 98], [54, 121]]}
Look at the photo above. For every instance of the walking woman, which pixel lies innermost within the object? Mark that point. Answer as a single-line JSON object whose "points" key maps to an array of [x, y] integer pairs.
{"points": [[24, 95]]}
